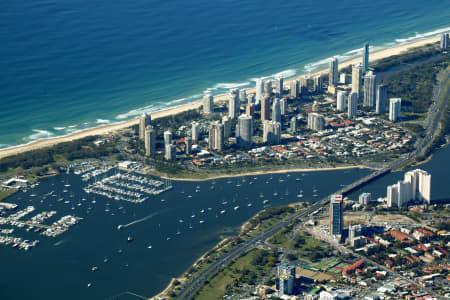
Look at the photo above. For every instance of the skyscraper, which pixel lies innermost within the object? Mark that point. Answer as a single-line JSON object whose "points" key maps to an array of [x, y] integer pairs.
{"points": [[333, 73], [395, 105], [144, 121], [233, 104], [293, 125], [444, 41], [265, 108], [188, 145], [341, 100], [167, 137], [244, 131], [365, 63], [416, 186], [364, 198], [381, 99], [259, 90], [276, 110], [280, 87], [150, 141], [336, 214], [243, 96], [208, 104], [294, 90], [226, 121], [303, 85], [283, 106], [369, 89], [420, 184], [170, 152], [268, 88], [195, 131], [271, 132], [316, 121], [356, 79], [352, 105], [250, 109], [318, 84], [215, 137]]}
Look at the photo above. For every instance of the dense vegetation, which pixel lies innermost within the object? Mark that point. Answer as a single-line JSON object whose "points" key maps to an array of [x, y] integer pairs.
{"points": [[270, 213], [405, 58], [83, 148], [415, 85]]}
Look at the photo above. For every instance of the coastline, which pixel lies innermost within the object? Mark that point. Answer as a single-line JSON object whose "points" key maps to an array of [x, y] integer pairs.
{"points": [[257, 173], [110, 128]]}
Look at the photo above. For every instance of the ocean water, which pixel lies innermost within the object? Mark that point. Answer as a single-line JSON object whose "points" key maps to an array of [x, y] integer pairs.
{"points": [[73, 64]]}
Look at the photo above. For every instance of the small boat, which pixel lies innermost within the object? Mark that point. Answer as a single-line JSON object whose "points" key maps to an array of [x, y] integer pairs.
{"points": [[222, 212], [95, 268], [180, 220], [202, 211], [105, 260], [249, 205], [193, 216], [129, 239], [201, 222], [236, 208], [265, 201], [149, 247], [119, 227], [89, 285]]}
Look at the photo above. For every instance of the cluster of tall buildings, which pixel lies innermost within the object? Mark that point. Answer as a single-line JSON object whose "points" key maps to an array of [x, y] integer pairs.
{"points": [[316, 121], [364, 86], [285, 281], [416, 186]]}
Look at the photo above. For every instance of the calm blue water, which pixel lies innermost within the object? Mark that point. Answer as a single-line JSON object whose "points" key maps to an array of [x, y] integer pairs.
{"points": [[72, 64]]}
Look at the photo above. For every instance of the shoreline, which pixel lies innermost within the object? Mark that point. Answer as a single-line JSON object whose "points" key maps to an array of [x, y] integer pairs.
{"points": [[258, 173], [110, 128]]}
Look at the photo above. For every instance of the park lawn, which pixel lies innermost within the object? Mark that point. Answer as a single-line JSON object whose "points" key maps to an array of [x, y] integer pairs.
{"points": [[243, 269]]}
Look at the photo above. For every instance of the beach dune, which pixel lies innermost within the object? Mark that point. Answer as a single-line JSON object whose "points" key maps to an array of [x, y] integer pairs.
{"points": [[111, 128]]}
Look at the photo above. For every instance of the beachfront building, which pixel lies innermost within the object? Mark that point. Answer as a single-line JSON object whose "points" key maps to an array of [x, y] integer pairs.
{"points": [[271, 132], [333, 72], [369, 89], [303, 85], [380, 106], [341, 100], [244, 131], [280, 88], [265, 108], [336, 215], [318, 84], [216, 136], [294, 90], [195, 131], [259, 90], [316, 121], [356, 79], [365, 63], [268, 88], [395, 105], [444, 41], [144, 121], [208, 104], [226, 121], [233, 104], [344, 78], [150, 141], [167, 137], [276, 110], [352, 105], [170, 152]]}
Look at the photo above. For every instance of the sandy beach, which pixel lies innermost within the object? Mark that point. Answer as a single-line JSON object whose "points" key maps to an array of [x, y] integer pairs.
{"points": [[108, 129]]}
